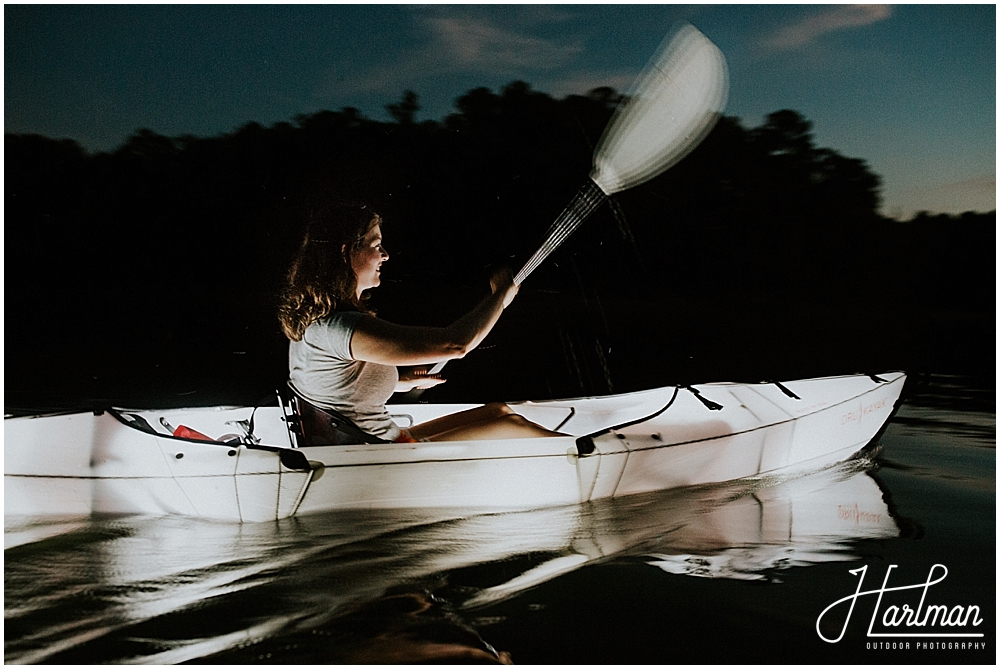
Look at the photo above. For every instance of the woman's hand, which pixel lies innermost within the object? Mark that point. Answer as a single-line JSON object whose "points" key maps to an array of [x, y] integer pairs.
{"points": [[417, 377], [375, 340], [502, 281]]}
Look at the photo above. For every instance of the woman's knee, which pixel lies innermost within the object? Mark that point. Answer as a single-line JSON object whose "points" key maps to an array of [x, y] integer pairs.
{"points": [[499, 409], [515, 419], [522, 424]]}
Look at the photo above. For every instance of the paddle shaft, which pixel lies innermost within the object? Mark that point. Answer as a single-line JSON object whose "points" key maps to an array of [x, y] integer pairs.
{"points": [[586, 201]]}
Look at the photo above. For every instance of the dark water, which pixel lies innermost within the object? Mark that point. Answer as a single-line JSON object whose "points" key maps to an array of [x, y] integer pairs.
{"points": [[731, 573]]}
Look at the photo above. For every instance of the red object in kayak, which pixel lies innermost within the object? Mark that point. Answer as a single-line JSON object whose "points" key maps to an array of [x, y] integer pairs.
{"points": [[187, 433]]}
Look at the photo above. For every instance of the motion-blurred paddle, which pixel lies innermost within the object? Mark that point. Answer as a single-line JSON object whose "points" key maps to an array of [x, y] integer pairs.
{"points": [[672, 105]]}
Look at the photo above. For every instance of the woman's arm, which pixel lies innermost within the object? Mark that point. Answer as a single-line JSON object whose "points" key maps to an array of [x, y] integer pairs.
{"points": [[385, 343], [417, 378]]}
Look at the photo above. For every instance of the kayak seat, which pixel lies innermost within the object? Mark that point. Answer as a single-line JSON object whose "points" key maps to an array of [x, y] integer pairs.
{"points": [[326, 427]]}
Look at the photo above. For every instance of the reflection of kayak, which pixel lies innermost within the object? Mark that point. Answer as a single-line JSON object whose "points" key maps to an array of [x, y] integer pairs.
{"points": [[130, 462], [738, 530], [807, 520], [306, 574]]}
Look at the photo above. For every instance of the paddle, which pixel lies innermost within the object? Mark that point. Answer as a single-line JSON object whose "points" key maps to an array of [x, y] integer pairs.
{"points": [[672, 105]]}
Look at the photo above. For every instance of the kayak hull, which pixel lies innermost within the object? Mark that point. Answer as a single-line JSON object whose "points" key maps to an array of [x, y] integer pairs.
{"points": [[123, 462]]}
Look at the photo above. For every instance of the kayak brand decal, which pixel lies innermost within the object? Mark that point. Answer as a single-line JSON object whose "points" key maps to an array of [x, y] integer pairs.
{"points": [[896, 618], [858, 516], [863, 410]]}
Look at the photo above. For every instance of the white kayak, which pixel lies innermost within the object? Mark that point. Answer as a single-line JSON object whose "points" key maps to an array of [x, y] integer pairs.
{"points": [[128, 462]]}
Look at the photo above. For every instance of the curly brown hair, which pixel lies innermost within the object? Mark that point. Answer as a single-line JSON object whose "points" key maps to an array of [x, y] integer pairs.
{"points": [[321, 280]]}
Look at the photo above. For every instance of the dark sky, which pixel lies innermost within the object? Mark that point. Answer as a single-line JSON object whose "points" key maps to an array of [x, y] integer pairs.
{"points": [[909, 88]]}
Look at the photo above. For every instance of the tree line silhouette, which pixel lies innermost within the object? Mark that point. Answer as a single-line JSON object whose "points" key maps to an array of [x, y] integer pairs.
{"points": [[150, 274]]}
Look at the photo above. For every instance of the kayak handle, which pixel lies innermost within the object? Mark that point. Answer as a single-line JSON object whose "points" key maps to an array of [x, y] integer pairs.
{"points": [[585, 445]]}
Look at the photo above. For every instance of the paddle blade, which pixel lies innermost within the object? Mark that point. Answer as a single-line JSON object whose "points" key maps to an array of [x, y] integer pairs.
{"points": [[673, 104]]}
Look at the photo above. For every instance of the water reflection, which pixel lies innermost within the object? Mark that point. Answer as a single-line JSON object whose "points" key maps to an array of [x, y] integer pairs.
{"points": [[949, 407], [388, 586]]}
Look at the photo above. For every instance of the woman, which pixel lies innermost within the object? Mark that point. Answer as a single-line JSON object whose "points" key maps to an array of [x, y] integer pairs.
{"points": [[342, 357]]}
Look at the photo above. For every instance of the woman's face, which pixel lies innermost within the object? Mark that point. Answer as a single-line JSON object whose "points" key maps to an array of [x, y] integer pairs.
{"points": [[367, 260]]}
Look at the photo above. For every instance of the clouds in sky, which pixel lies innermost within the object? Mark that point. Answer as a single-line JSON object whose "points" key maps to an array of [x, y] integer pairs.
{"points": [[449, 42], [476, 43], [810, 28], [480, 45], [519, 42]]}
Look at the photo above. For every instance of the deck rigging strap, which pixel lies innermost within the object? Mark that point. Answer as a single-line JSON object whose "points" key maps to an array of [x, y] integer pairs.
{"points": [[785, 390], [713, 406]]}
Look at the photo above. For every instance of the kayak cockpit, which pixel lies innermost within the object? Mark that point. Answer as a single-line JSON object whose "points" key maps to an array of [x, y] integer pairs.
{"points": [[281, 426]]}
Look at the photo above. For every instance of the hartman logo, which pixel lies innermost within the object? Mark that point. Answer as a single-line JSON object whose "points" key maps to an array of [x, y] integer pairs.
{"points": [[899, 619]]}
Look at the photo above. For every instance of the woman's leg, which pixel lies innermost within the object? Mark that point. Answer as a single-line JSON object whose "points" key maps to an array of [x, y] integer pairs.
{"points": [[428, 429], [491, 421], [512, 426]]}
